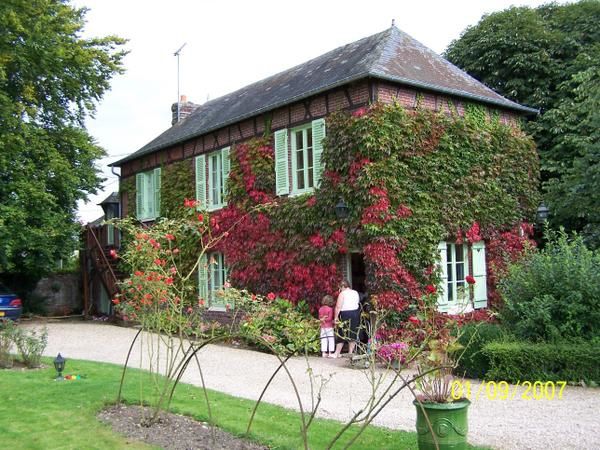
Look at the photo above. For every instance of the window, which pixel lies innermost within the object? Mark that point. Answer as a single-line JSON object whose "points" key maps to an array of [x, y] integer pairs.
{"points": [[456, 270], [211, 184], [147, 187], [455, 263], [305, 152], [212, 275], [302, 160]]}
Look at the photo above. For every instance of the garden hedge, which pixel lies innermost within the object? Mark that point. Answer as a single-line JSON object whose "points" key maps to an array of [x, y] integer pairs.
{"points": [[524, 361], [472, 363]]}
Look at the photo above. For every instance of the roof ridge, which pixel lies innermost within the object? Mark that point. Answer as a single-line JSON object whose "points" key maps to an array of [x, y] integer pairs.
{"points": [[391, 55], [290, 69]]}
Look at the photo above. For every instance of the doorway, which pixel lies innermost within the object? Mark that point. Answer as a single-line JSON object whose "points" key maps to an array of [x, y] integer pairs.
{"points": [[355, 271]]}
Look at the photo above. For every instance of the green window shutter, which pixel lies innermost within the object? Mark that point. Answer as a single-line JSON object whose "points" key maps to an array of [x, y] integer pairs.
{"points": [[318, 133], [157, 182], [443, 270], [282, 183], [480, 274], [203, 279], [201, 180], [226, 166], [139, 196]]}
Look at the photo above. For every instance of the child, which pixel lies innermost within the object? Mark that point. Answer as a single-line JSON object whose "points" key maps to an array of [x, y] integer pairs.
{"points": [[326, 318]]}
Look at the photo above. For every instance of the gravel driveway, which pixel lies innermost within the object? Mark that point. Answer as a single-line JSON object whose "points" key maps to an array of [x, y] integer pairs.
{"points": [[570, 423]]}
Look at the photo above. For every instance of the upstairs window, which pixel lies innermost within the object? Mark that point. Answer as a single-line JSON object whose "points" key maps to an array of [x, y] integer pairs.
{"points": [[147, 200], [303, 163], [298, 152], [212, 171]]}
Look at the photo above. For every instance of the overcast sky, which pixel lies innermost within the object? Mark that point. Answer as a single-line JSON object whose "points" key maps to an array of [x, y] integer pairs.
{"points": [[230, 44]]}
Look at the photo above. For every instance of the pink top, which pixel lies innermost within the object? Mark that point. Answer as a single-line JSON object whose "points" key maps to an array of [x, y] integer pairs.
{"points": [[326, 316]]}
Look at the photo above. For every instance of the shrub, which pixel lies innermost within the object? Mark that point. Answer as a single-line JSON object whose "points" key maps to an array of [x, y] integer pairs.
{"points": [[31, 345], [7, 331], [286, 328], [520, 361], [472, 363], [554, 294]]}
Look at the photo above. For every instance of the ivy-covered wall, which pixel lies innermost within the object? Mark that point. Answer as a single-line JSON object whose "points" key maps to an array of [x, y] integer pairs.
{"points": [[411, 178], [177, 184]]}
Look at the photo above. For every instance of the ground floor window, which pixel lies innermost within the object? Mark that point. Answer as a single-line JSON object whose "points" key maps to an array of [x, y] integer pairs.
{"points": [[457, 263], [212, 276]]}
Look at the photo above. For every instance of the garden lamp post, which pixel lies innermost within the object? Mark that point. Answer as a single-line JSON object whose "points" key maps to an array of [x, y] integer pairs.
{"points": [[59, 365], [341, 209], [542, 213]]}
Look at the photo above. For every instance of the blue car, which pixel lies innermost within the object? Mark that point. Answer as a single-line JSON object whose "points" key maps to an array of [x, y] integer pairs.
{"points": [[11, 306]]}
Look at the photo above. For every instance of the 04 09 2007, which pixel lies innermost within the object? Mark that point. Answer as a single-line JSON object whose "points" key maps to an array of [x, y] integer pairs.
{"points": [[502, 390]]}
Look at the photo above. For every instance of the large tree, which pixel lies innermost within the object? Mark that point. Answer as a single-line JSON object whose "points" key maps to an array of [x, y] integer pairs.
{"points": [[51, 79], [548, 58]]}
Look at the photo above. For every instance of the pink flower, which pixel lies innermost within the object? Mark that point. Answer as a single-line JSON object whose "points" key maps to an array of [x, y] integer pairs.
{"points": [[169, 237], [113, 253], [270, 296]]}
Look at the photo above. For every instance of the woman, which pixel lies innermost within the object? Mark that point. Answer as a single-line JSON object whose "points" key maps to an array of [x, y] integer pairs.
{"points": [[347, 315]]}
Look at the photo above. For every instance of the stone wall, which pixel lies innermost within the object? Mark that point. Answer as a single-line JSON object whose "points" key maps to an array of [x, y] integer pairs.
{"points": [[61, 293]]}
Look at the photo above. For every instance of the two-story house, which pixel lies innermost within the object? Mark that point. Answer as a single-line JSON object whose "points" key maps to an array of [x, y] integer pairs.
{"points": [[291, 111]]}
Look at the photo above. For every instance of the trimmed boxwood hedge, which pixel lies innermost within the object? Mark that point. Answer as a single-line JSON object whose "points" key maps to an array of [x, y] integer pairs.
{"points": [[524, 361], [472, 363]]}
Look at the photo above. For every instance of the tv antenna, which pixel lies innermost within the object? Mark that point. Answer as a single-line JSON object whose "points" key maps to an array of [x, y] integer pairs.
{"points": [[177, 53]]}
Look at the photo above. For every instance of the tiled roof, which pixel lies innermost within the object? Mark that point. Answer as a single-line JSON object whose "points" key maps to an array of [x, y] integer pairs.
{"points": [[390, 55]]}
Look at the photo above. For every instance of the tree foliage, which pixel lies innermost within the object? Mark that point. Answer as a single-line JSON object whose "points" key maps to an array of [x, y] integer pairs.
{"points": [[50, 81], [548, 58]]}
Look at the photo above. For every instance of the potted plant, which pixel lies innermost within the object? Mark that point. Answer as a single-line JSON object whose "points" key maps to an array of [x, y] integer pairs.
{"points": [[441, 419]]}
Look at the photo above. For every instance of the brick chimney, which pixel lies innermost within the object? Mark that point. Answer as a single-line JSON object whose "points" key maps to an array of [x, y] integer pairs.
{"points": [[185, 109]]}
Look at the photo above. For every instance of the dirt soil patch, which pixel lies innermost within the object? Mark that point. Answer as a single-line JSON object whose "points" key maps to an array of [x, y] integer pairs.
{"points": [[172, 431]]}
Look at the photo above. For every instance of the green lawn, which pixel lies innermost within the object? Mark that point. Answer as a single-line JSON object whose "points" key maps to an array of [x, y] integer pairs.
{"points": [[39, 413]]}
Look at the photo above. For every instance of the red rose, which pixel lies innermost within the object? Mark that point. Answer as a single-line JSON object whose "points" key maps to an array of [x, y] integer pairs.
{"points": [[414, 320], [469, 279], [169, 237], [116, 301], [270, 296], [360, 112], [113, 253], [430, 289]]}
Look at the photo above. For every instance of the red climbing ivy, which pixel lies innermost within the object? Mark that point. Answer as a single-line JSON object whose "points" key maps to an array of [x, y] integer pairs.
{"points": [[410, 179]]}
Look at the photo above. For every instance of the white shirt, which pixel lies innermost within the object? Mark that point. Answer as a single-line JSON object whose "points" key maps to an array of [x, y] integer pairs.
{"points": [[350, 299]]}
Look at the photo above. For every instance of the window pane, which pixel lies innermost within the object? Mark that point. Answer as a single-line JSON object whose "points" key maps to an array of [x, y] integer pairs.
{"points": [[300, 160], [459, 253], [309, 137], [450, 292], [449, 252], [460, 271], [450, 272], [300, 169], [215, 179], [299, 140]]}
